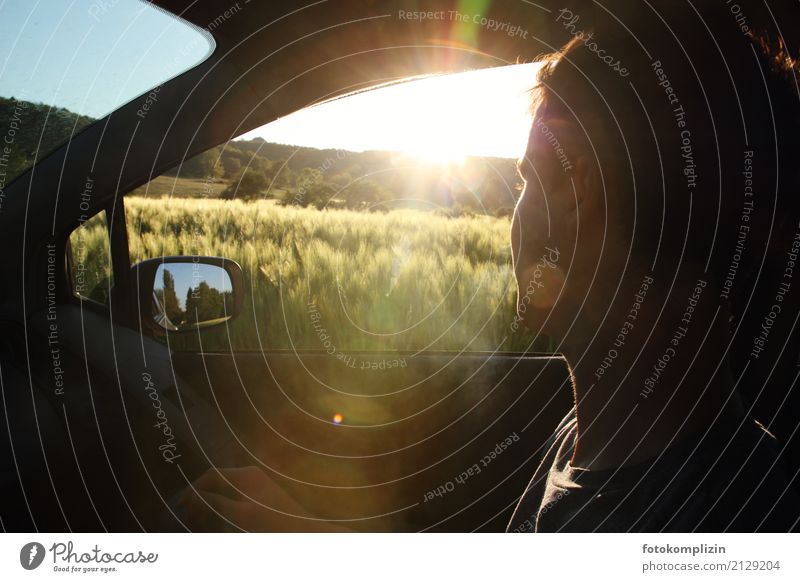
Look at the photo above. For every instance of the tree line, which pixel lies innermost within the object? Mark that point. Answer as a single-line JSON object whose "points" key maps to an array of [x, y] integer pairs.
{"points": [[31, 131], [309, 177]]}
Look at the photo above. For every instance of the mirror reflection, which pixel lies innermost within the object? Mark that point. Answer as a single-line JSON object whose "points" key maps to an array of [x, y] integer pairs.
{"points": [[192, 295]]}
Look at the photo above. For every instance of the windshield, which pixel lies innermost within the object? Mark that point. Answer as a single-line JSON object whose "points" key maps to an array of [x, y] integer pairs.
{"points": [[65, 68]]}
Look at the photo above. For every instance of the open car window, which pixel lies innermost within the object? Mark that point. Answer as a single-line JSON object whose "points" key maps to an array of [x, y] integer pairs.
{"points": [[372, 231]]}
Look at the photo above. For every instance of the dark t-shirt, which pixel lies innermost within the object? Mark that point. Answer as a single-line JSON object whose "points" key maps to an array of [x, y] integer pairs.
{"points": [[728, 479]]}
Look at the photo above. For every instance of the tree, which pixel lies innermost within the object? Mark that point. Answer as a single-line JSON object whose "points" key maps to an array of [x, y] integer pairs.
{"points": [[169, 298], [320, 194], [363, 194], [249, 183], [203, 165], [341, 180], [204, 303], [230, 165], [306, 189]]}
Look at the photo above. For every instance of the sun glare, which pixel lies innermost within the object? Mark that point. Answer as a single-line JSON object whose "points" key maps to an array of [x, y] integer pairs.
{"points": [[441, 119], [439, 156]]}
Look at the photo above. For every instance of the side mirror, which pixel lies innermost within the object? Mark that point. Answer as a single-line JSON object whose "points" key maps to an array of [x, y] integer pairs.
{"points": [[178, 294]]}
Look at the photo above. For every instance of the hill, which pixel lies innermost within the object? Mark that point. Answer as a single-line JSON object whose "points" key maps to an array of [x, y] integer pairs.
{"points": [[33, 130]]}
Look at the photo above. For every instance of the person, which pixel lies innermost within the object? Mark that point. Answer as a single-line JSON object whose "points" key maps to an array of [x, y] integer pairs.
{"points": [[667, 176], [653, 239]]}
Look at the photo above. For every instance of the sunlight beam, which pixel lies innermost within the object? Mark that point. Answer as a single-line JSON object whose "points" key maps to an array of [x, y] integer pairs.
{"points": [[441, 119]]}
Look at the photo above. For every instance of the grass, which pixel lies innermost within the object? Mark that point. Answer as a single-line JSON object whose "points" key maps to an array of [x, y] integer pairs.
{"points": [[169, 186], [341, 280]]}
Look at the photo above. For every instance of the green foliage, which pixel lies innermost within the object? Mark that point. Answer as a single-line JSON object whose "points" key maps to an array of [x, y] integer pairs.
{"points": [[248, 184], [169, 299], [310, 189], [321, 194], [34, 130], [203, 303], [310, 177], [231, 166], [364, 194], [204, 165], [400, 280], [90, 259], [307, 178]]}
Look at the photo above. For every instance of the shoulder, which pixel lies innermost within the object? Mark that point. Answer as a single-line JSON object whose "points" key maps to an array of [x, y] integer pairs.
{"points": [[528, 505], [564, 428]]}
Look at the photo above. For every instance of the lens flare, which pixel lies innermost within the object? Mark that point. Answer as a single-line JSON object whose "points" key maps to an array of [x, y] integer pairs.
{"points": [[337, 418]]}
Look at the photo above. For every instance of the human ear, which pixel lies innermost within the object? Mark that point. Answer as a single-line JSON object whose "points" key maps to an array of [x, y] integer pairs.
{"points": [[586, 183]]}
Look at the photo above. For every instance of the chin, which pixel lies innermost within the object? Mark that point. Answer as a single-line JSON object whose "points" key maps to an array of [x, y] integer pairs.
{"points": [[534, 319]]}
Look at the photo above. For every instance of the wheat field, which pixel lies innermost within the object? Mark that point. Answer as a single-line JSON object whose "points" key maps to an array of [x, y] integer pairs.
{"points": [[341, 280]]}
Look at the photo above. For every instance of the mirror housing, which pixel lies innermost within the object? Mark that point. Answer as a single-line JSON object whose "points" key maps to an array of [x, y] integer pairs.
{"points": [[186, 293]]}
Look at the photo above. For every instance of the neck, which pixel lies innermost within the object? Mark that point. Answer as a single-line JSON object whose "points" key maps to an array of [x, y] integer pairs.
{"points": [[664, 379]]}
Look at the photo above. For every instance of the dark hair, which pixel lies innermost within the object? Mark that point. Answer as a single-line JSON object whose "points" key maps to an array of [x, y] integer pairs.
{"points": [[676, 104]]}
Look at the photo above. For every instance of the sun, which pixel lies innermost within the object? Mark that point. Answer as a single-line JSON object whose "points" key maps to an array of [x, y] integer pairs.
{"points": [[439, 156], [440, 119]]}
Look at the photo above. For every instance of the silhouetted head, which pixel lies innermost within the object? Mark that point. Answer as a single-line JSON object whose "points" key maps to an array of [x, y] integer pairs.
{"points": [[664, 145]]}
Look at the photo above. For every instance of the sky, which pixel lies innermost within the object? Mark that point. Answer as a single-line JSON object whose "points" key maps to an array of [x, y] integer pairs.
{"points": [[444, 118], [190, 275], [92, 56]]}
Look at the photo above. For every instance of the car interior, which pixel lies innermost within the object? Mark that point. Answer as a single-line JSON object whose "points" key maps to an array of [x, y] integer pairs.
{"points": [[114, 399]]}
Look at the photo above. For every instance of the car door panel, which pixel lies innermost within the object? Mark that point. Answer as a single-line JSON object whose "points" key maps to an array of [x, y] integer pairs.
{"points": [[445, 442]]}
